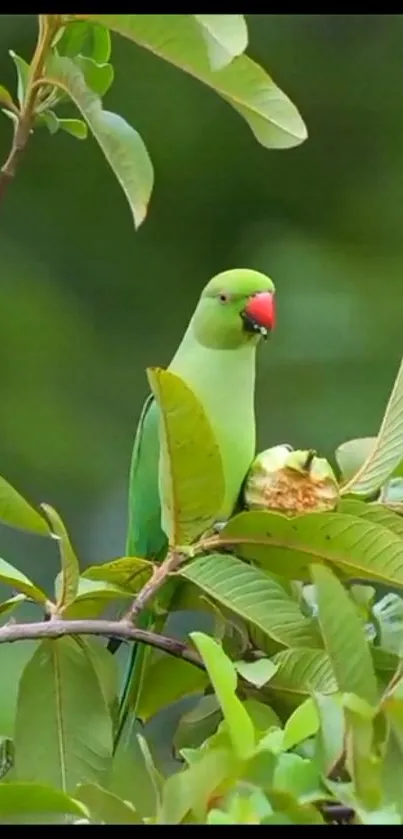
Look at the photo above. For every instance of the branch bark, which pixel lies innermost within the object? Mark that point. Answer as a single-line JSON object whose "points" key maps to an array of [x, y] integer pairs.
{"points": [[108, 629]]}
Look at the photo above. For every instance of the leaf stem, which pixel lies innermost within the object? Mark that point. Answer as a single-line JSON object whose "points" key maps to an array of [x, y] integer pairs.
{"points": [[48, 26]]}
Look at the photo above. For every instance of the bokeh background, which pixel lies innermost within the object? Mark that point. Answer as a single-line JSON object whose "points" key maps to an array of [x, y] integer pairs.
{"points": [[86, 303]]}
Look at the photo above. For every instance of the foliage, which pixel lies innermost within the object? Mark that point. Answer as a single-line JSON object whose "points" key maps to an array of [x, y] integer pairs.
{"points": [[297, 691]]}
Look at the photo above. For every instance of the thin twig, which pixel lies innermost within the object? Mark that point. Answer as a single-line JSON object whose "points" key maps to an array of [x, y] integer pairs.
{"points": [[153, 585], [108, 629]]}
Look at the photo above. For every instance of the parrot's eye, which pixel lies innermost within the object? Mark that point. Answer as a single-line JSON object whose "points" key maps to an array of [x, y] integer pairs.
{"points": [[223, 297]]}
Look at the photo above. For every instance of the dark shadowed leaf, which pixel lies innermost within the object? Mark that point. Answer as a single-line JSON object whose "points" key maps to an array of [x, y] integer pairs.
{"points": [[121, 144], [198, 724], [192, 480], [271, 116], [225, 36], [344, 637], [387, 452], [357, 547], [70, 569], [224, 680], [16, 512], [254, 596], [25, 799], [166, 680], [104, 807], [63, 729]]}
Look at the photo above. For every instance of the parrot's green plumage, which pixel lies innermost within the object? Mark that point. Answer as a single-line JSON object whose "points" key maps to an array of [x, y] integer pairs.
{"points": [[216, 359]]}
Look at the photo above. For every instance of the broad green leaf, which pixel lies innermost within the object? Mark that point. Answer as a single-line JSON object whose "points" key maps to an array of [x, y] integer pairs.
{"points": [[98, 77], [387, 452], [6, 98], [198, 724], [287, 810], [254, 596], [256, 672], [330, 737], [12, 577], [193, 787], [130, 778], [301, 724], [105, 666], [76, 127], [376, 513], [344, 637], [104, 807], [361, 763], [272, 117], [356, 547], [299, 777], [129, 572], [70, 569], [392, 772], [22, 75], [225, 36], [88, 39], [33, 798], [9, 605], [121, 144], [299, 672], [262, 716], [92, 598], [392, 704], [223, 678], [63, 729], [13, 658], [152, 771], [191, 475], [166, 680], [352, 454], [389, 616], [16, 512]]}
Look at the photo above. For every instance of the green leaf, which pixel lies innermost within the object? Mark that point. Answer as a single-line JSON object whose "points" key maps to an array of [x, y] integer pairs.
{"points": [[361, 763], [376, 513], [13, 658], [6, 98], [130, 779], [344, 637], [76, 127], [70, 569], [387, 452], [49, 119], [12, 577], [352, 454], [98, 77], [301, 671], [63, 729], [129, 572], [256, 672], [192, 788], [16, 512], [301, 724], [198, 724], [166, 680], [9, 605], [330, 737], [105, 807], [88, 39], [105, 666], [262, 716], [299, 777], [223, 678], [225, 36], [271, 116], [358, 548], [26, 799], [389, 616], [191, 479], [22, 75], [121, 144], [254, 596], [152, 771], [92, 598]]}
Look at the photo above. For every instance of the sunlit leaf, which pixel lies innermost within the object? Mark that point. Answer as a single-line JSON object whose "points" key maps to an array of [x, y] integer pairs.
{"points": [[273, 119], [76, 127], [225, 36], [121, 144], [22, 75], [192, 787], [262, 716], [6, 98], [223, 678], [166, 680], [344, 637], [352, 454], [104, 807], [301, 724], [355, 546], [256, 672], [299, 672], [98, 77], [387, 452], [254, 596], [361, 763], [33, 798], [129, 572], [63, 729], [93, 597], [376, 513], [330, 737], [191, 478], [8, 606], [298, 776], [13, 577], [16, 512], [70, 569]]}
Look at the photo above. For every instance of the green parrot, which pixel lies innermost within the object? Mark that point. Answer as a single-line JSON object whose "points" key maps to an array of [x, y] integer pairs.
{"points": [[216, 359]]}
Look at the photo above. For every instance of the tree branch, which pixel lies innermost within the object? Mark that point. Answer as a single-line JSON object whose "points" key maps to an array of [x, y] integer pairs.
{"points": [[107, 629], [156, 581]]}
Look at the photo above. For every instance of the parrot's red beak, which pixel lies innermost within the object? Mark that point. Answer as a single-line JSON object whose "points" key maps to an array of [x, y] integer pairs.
{"points": [[259, 315]]}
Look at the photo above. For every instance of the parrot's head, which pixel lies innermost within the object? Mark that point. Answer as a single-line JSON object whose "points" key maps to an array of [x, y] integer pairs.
{"points": [[235, 308]]}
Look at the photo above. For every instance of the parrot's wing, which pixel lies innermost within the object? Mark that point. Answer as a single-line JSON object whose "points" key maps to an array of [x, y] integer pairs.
{"points": [[145, 535]]}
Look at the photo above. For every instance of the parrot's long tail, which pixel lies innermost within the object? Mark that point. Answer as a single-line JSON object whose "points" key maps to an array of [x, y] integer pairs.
{"points": [[133, 680]]}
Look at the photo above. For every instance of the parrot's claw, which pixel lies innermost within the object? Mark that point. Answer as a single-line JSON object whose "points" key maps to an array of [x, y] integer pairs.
{"points": [[218, 526]]}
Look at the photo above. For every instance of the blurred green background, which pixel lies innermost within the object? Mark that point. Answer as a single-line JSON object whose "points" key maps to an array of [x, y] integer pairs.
{"points": [[86, 303]]}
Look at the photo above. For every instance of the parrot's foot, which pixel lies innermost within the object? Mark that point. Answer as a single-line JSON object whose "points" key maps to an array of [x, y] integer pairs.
{"points": [[218, 526]]}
